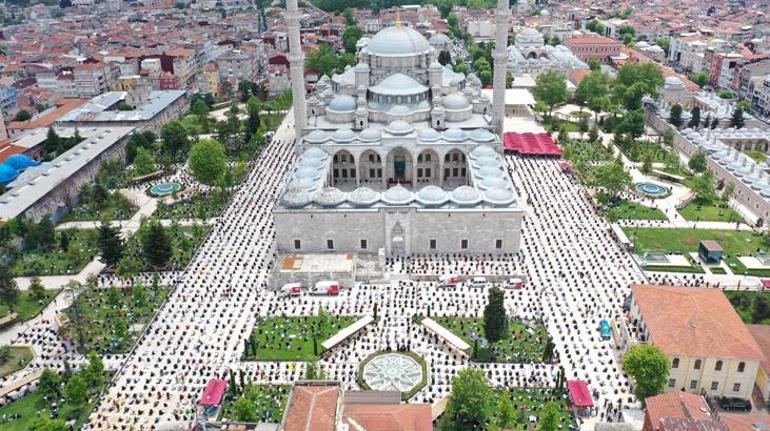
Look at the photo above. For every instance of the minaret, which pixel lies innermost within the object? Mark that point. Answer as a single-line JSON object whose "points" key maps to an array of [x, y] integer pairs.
{"points": [[3, 132], [500, 56], [296, 66]]}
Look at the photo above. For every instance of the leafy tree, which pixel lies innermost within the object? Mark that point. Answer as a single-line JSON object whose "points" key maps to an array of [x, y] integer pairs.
{"points": [[664, 43], [49, 384], [701, 78], [44, 423], [613, 178], [551, 89], [594, 64], [634, 81], [704, 186], [668, 137], [94, 372], [694, 118], [9, 291], [595, 26], [128, 267], [200, 109], [252, 121], [697, 162], [506, 414], [245, 410], [350, 37], [110, 244], [328, 62], [549, 418], [648, 366], [208, 161], [36, 288], [144, 162], [593, 91], [176, 141], [156, 245], [760, 308], [675, 116], [444, 57], [76, 391], [348, 14], [244, 89], [647, 159], [628, 40], [46, 233], [726, 94], [495, 316], [22, 115], [737, 120], [139, 296], [471, 402], [745, 105], [632, 123]]}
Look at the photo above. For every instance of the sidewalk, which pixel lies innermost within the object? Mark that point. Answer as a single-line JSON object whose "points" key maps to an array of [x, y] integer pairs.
{"points": [[684, 224]]}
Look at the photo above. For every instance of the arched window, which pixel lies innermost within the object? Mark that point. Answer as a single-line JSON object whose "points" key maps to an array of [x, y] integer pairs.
{"points": [[675, 363], [741, 367], [697, 364], [718, 366]]}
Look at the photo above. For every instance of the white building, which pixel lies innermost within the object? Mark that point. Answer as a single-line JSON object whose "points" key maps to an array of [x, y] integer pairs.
{"points": [[530, 55]]}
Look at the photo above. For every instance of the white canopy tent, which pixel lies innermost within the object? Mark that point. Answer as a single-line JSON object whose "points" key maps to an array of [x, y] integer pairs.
{"points": [[446, 334], [347, 332]]}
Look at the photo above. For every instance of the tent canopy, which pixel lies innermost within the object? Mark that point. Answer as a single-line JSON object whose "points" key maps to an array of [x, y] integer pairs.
{"points": [[579, 394], [535, 144], [214, 392]]}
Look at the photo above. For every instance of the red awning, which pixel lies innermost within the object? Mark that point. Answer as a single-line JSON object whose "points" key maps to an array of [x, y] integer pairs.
{"points": [[765, 283], [212, 395], [534, 144], [579, 394]]}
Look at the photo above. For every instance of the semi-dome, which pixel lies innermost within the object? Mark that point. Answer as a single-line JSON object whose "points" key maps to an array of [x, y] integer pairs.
{"points": [[310, 163], [343, 135], [307, 172], [296, 199], [369, 135], [399, 110], [399, 127], [483, 150], [329, 197], [454, 135], [398, 84], [20, 162], [455, 102], [499, 196], [317, 136], [481, 135], [342, 103], [397, 195], [363, 196], [432, 196], [301, 184], [429, 135], [465, 196], [398, 41], [315, 153]]}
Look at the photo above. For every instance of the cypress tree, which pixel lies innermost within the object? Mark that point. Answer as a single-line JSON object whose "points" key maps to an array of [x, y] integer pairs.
{"points": [[495, 317]]}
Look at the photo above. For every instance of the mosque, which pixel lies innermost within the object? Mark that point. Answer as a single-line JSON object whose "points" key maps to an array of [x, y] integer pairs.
{"points": [[530, 54], [398, 154]]}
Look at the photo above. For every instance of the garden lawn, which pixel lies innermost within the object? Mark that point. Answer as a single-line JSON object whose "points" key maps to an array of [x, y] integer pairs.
{"points": [[734, 243], [700, 211], [291, 339], [525, 343], [191, 124], [199, 206], [20, 357], [757, 155], [745, 305], [185, 239], [28, 306], [81, 250], [112, 318], [531, 401], [270, 403], [625, 210], [116, 208]]}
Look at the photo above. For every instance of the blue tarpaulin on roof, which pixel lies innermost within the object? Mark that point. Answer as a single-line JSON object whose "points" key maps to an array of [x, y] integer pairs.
{"points": [[7, 173], [20, 162]]}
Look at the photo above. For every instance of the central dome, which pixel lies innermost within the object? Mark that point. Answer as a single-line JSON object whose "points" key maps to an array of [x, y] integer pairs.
{"points": [[398, 41]]}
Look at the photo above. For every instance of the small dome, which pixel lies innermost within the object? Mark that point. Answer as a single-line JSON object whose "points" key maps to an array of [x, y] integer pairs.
{"points": [[397, 195], [306, 172], [436, 67], [343, 135], [342, 103], [489, 183], [429, 135], [465, 196], [301, 184], [499, 197], [329, 197], [296, 199], [310, 163], [432, 195], [363, 196], [369, 135], [315, 153], [317, 136], [483, 161], [399, 127], [482, 135], [483, 150], [490, 172], [455, 102], [454, 135]]}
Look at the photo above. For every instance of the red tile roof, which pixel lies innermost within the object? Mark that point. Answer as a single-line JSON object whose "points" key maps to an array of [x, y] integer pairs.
{"points": [[761, 334], [392, 417], [312, 407], [692, 321], [681, 405]]}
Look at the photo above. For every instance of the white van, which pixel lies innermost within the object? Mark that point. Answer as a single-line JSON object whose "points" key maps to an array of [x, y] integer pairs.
{"points": [[477, 282], [514, 283], [448, 280], [290, 289], [326, 287]]}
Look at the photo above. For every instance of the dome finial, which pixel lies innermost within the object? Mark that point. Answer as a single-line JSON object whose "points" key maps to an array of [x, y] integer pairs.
{"points": [[398, 17]]}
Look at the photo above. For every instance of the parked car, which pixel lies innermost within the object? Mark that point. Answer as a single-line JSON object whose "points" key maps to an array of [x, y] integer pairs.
{"points": [[514, 283], [734, 404], [290, 289], [448, 280], [326, 287], [604, 329], [477, 282]]}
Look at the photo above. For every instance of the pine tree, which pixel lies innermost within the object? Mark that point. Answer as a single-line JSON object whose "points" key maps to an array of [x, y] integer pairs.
{"points": [[9, 291], [694, 118], [737, 120], [156, 245], [495, 317], [110, 244]]}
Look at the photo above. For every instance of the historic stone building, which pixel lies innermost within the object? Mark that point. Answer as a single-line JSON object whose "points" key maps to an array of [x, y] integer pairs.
{"points": [[398, 153]]}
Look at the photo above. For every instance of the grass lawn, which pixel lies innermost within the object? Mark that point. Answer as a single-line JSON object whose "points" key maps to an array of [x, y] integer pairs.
{"points": [[625, 210], [665, 268], [291, 338], [531, 401], [20, 357], [526, 343], [744, 303], [186, 240], [80, 251], [734, 243], [269, 403], [200, 206], [191, 124], [28, 306], [706, 211], [34, 405], [757, 155], [717, 270], [116, 208], [112, 318]]}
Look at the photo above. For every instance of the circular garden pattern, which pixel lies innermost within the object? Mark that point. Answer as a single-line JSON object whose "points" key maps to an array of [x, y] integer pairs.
{"points": [[651, 190], [165, 189], [390, 371]]}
